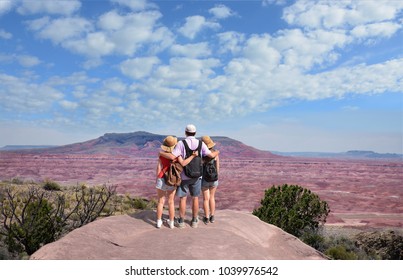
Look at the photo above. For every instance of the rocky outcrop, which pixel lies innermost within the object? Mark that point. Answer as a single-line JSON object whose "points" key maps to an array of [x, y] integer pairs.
{"points": [[234, 236]]}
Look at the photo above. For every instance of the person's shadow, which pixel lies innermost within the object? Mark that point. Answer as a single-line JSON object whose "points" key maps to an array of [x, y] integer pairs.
{"points": [[149, 217]]}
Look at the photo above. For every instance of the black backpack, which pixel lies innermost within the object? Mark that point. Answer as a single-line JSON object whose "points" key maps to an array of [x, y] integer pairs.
{"points": [[195, 167], [210, 173]]}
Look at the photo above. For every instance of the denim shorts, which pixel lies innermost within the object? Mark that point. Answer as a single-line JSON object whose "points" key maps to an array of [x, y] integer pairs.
{"points": [[162, 186], [192, 187], [206, 184]]}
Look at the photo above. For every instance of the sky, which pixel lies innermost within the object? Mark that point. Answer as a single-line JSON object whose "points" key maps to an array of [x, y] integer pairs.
{"points": [[278, 75]]}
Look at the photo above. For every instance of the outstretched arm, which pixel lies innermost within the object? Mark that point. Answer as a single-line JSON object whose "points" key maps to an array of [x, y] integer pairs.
{"points": [[185, 162]]}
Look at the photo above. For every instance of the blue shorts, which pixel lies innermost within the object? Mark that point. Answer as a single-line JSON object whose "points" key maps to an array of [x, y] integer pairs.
{"points": [[192, 187], [162, 186], [206, 185]]}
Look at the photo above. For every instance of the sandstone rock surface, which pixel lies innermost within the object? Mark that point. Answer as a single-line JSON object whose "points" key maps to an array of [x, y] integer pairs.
{"points": [[235, 235]]}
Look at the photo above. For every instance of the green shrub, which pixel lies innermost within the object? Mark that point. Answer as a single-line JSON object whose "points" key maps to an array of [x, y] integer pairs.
{"points": [[51, 186], [17, 181], [314, 239], [340, 252], [292, 208], [139, 203]]}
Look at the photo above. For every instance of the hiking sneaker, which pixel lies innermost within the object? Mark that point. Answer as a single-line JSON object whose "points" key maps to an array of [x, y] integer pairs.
{"points": [[212, 219], [170, 223], [180, 223], [205, 220], [195, 222], [159, 223]]}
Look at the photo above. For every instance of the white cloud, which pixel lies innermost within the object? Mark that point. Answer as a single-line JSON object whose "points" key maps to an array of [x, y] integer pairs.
{"points": [[191, 50], [115, 85], [51, 7], [95, 44], [6, 6], [60, 30], [184, 72], [137, 30], [135, 5], [195, 24], [5, 35], [27, 60], [221, 12], [273, 2], [68, 105], [116, 34], [230, 42], [111, 21], [379, 30], [305, 50], [258, 50], [340, 14], [140, 67], [22, 95]]}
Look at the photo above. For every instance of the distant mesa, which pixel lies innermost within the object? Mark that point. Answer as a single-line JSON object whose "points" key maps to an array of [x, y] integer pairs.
{"points": [[353, 154], [144, 144], [372, 154]]}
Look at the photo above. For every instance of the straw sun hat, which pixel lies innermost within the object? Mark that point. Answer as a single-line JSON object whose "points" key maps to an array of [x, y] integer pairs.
{"points": [[207, 140], [169, 143]]}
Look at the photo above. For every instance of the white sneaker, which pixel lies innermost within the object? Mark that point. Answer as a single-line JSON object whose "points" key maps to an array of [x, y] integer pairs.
{"points": [[159, 223], [170, 223]]}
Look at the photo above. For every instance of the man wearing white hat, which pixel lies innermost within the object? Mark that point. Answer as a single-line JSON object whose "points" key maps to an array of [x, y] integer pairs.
{"points": [[190, 185]]}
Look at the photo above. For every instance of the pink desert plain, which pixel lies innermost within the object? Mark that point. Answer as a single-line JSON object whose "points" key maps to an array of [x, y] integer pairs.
{"points": [[361, 192]]}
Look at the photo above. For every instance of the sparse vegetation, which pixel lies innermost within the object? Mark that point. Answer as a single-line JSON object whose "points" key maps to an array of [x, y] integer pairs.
{"points": [[34, 214], [51, 185], [294, 209], [300, 212]]}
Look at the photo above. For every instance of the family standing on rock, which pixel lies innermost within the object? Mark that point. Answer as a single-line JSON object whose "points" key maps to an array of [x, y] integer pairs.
{"points": [[198, 164]]}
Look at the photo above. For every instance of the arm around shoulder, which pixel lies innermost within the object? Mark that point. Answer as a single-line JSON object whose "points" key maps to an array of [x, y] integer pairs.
{"points": [[167, 155], [185, 162], [214, 154]]}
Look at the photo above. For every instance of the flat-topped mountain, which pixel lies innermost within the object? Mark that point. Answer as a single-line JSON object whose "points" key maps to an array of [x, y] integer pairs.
{"points": [[145, 144]]}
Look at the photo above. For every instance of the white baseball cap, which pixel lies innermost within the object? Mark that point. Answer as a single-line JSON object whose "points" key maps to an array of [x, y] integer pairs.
{"points": [[190, 128]]}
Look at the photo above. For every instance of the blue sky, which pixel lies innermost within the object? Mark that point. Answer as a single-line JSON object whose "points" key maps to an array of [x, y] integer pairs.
{"points": [[276, 75]]}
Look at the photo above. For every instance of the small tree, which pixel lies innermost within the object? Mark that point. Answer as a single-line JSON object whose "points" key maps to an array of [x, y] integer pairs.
{"points": [[292, 208], [30, 218]]}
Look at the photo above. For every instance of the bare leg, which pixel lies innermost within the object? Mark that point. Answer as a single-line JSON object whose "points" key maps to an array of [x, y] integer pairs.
{"points": [[206, 198], [212, 200], [171, 204], [161, 202], [182, 207], [195, 206]]}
